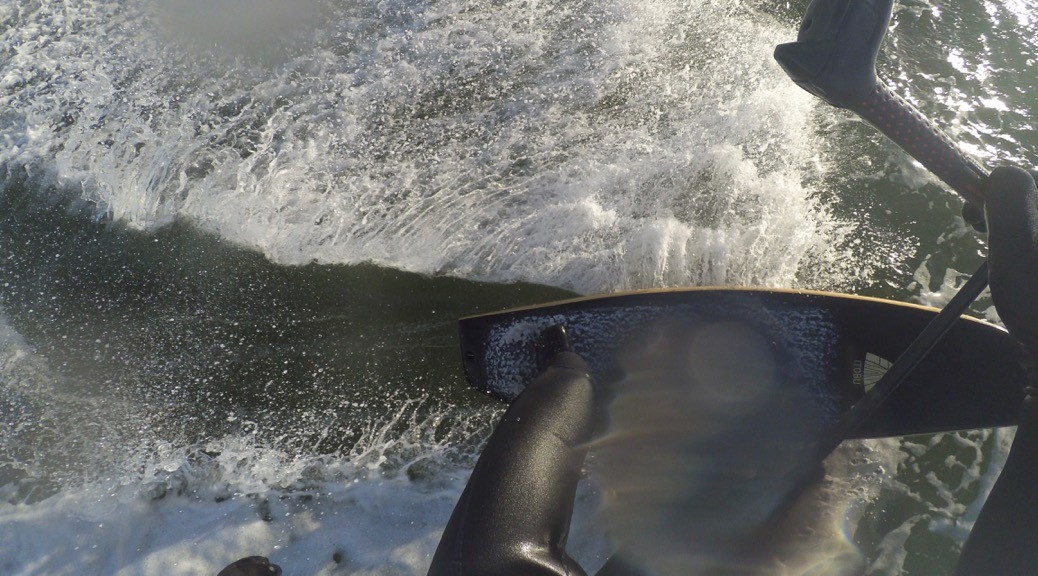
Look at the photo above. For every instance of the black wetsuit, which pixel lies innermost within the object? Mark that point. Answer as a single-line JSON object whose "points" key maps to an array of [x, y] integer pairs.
{"points": [[513, 517]]}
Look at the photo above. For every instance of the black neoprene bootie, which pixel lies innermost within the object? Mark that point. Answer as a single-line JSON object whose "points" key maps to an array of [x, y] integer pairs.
{"points": [[552, 341], [251, 566]]}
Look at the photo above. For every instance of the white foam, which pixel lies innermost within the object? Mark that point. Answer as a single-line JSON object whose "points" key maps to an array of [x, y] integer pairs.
{"points": [[591, 145], [353, 520], [981, 474], [377, 526], [938, 291]]}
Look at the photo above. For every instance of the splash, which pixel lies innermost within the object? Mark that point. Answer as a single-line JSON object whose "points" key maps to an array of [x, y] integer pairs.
{"points": [[595, 146]]}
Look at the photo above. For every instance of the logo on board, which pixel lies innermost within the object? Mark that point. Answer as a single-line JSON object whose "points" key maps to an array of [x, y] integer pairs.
{"points": [[869, 371]]}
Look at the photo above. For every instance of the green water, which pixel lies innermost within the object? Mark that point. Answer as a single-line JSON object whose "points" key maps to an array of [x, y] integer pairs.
{"points": [[208, 339]]}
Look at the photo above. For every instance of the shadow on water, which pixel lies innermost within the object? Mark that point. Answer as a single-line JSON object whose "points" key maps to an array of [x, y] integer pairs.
{"points": [[176, 336]]}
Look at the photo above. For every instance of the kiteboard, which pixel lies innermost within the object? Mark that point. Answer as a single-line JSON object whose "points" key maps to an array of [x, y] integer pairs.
{"points": [[821, 352]]}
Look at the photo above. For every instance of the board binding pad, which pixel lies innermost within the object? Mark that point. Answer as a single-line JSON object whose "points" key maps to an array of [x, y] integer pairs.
{"points": [[828, 348]]}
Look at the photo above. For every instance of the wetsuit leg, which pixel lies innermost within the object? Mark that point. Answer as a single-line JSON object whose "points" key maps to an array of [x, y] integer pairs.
{"points": [[1004, 540], [513, 517]]}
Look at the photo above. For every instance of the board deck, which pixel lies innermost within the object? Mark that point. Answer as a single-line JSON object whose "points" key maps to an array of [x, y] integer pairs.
{"points": [[821, 349]]}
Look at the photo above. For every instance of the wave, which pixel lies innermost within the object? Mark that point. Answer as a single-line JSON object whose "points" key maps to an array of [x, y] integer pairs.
{"points": [[594, 146]]}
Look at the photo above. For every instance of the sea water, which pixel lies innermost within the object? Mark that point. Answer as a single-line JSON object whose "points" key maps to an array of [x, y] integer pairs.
{"points": [[235, 237]]}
